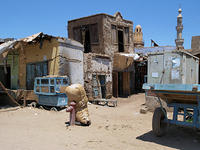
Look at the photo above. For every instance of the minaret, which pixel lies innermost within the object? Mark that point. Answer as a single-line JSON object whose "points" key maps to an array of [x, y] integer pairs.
{"points": [[179, 28], [138, 37]]}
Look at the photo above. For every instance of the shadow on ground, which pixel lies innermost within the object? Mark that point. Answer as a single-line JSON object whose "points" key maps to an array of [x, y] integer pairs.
{"points": [[6, 108], [176, 137]]}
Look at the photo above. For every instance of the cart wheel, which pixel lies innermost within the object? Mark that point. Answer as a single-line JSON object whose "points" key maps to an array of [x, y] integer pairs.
{"points": [[33, 104], [53, 109], [41, 107], [159, 127]]}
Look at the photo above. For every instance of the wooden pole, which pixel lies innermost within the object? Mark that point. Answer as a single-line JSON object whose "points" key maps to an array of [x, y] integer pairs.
{"points": [[12, 99]]}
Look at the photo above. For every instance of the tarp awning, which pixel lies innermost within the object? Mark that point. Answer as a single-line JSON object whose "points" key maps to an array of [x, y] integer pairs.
{"points": [[122, 61]]}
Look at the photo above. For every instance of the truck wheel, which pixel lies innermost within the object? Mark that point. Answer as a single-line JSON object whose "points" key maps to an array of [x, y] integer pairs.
{"points": [[159, 127], [41, 107], [53, 109], [33, 104]]}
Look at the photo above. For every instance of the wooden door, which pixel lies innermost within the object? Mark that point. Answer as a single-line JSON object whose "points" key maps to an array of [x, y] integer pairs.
{"points": [[35, 70]]}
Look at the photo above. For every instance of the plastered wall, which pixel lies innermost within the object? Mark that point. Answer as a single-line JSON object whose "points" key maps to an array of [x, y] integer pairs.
{"points": [[32, 53]]}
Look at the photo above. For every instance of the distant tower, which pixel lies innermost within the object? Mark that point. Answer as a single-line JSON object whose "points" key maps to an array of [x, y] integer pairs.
{"points": [[179, 28], [138, 37]]}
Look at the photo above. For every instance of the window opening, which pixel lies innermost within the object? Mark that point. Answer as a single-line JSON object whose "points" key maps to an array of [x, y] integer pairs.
{"points": [[120, 41]]}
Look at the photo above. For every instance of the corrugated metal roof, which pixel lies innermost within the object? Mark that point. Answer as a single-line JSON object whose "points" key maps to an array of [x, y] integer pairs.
{"points": [[146, 50], [5, 47], [188, 53], [6, 40], [174, 51], [31, 38]]}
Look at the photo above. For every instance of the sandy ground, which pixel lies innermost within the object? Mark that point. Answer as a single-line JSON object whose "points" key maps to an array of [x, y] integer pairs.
{"points": [[113, 128]]}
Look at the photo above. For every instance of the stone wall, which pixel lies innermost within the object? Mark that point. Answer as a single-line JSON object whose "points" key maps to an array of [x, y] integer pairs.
{"points": [[80, 23], [95, 65], [105, 22], [111, 47], [33, 53], [112, 30]]}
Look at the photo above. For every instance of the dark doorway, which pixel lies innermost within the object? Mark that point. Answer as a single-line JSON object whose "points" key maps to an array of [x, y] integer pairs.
{"points": [[87, 43], [35, 70], [102, 81], [5, 78], [140, 74], [120, 41], [120, 84], [132, 82], [115, 84]]}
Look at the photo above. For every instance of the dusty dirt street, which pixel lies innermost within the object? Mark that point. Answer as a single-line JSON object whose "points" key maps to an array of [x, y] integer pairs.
{"points": [[113, 128]]}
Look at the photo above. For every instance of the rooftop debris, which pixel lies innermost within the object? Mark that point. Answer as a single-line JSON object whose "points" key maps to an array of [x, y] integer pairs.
{"points": [[9, 45]]}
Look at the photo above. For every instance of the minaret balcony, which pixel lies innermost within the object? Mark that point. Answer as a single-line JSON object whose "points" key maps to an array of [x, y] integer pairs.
{"points": [[179, 28], [179, 41]]}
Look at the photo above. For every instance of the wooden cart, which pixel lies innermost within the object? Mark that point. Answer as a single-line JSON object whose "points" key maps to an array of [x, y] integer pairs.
{"points": [[185, 101]]}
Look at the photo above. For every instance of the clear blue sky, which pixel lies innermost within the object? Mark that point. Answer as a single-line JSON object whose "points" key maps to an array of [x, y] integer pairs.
{"points": [[21, 18]]}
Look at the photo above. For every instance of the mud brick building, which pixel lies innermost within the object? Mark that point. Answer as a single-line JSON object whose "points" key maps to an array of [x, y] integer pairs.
{"points": [[103, 33], [109, 35], [35, 56], [97, 75], [195, 48]]}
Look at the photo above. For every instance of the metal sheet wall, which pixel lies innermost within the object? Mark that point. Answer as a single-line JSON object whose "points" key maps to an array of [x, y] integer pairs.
{"points": [[176, 67]]}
